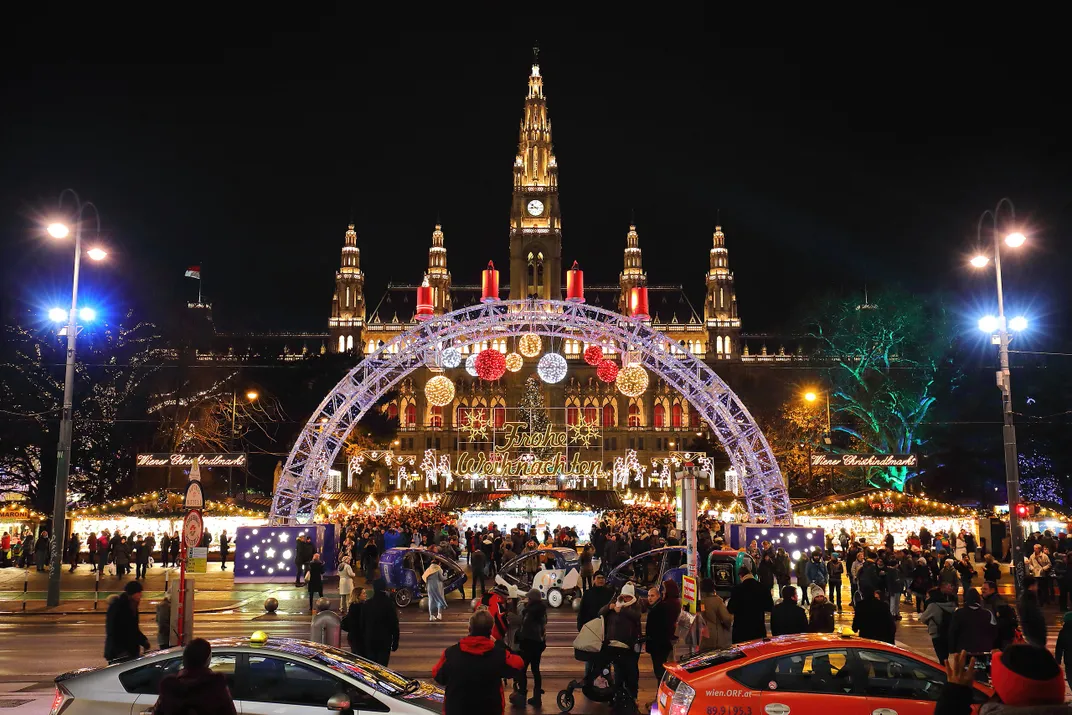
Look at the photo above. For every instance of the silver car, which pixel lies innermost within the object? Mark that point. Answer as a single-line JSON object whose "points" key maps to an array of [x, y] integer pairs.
{"points": [[269, 676]]}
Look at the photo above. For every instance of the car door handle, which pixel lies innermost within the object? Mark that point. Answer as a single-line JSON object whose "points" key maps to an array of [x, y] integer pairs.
{"points": [[776, 709], [883, 711]]}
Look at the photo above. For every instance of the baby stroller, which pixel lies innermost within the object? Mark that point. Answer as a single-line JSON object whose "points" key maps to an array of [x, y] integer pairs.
{"points": [[601, 683]]}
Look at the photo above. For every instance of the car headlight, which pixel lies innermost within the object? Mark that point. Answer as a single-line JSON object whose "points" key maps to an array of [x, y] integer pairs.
{"points": [[683, 696]]}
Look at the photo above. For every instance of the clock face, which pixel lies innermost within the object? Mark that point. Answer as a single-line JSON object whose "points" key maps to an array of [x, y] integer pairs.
{"points": [[535, 207]]}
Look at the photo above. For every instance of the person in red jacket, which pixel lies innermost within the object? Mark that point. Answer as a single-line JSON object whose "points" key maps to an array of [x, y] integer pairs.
{"points": [[472, 671], [498, 606]]}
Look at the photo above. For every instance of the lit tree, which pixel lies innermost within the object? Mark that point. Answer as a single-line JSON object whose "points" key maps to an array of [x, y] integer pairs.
{"points": [[1038, 482], [533, 412], [797, 431], [111, 375], [890, 358]]}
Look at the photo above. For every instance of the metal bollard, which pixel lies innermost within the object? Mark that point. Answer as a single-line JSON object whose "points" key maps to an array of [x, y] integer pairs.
{"points": [[25, 587], [96, 589], [167, 581]]}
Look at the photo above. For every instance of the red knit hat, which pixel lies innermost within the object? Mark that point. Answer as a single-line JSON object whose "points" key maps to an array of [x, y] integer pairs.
{"points": [[1026, 675]]}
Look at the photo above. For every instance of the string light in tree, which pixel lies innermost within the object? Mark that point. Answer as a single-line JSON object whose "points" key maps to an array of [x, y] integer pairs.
{"points": [[470, 365], [551, 368], [593, 354], [530, 345], [451, 357], [514, 362], [490, 364], [439, 391], [632, 381], [607, 370]]}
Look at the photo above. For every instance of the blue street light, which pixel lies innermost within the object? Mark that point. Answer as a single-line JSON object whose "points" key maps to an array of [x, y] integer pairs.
{"points": [[87, 314], [1018, 323], [57, 315], [988, 323]]}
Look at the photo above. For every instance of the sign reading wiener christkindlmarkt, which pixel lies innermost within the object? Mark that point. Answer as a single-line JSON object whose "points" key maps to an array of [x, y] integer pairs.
{"points": [[205, 459], [864, 460]]}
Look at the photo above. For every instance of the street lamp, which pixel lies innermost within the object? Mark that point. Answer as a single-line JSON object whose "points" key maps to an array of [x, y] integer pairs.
{"points": [[991, 324], [63, 451], [252, 396], [811, 396]]}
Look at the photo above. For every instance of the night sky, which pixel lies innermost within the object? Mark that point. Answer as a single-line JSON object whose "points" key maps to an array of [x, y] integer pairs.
{"points": [[835, 163]]}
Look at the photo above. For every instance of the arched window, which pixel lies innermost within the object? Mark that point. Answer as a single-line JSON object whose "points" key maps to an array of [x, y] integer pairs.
{"points": [[347, 304], [498, 416], [675, 415], [392, 411], [634, 414], [411, 415], [608, 415], [571, 415], [686, 418], [463, 412], [371, 346], [436, 419], [660, 413], [718, 344], [342, 344], [591, 414], [729, 348], [349, 342]]}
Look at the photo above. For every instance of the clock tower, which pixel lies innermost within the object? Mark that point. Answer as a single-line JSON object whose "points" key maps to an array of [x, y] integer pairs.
{"points": [[535, 219]]}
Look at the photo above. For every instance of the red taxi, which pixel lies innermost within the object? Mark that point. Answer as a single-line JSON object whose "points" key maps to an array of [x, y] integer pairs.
{"points": [[805, 674]]}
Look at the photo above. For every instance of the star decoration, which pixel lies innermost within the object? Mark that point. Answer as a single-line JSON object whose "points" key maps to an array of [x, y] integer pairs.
{"points": [[584, 431], [474, 425]]}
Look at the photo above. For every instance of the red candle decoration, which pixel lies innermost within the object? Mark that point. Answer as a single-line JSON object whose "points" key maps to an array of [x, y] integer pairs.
{"points": [[490, 364], [607, 370], [490, 285], [593, 354], [575, 284], [638, 303], [425, 308]]}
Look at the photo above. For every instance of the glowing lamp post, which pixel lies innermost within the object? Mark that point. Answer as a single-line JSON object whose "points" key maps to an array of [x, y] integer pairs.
{"points": [[63, 451], [997, 325]]}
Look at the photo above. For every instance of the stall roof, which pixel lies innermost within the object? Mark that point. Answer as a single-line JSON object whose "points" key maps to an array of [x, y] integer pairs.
{"points": [[877, 502], [163, 503]]}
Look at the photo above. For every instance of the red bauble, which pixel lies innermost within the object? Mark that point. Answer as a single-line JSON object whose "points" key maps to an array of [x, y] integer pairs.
{"points": [[607, 370], [490, 364], [593, 354]]}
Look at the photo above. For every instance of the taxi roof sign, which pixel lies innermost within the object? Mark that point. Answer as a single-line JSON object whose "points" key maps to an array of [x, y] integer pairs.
{"points": [[258, 638]]}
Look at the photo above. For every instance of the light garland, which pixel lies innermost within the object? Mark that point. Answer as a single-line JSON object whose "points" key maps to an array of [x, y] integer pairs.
{"points": [[607, 370], [529, 345], [632, 381], [850, 504], [470, 365], [514, 362], [490, 364], [551, 368], [439, 390], [150, 503], [451, 357], [593, 354]]}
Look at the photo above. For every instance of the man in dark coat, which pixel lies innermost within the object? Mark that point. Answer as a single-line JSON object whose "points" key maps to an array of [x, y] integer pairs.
{"points": [[478, 562], [1032, 621], [225, 548], [141, 558], [873, 618], [122, 637], [593, 600], [973, 629], [787, 616], [299, 560], [195, 688], [379, 625], [472, 671], [314, 578], [749, 600]]}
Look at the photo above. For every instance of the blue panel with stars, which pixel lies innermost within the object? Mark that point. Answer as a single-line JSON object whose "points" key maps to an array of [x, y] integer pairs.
{"points": [[267, 554], [798, 541]]}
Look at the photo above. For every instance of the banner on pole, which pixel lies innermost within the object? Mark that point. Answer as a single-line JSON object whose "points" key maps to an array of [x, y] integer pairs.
{"points": [[689, 597], [197, 559]]}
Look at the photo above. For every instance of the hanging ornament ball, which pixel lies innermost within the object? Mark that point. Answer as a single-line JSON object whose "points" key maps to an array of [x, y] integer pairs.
{"points": [[470, 365], [490, 364], [551, 368], [514, 362], [607, 370], [632, 381], [593, 354], [530, 345], [451, 357], [439, 390]]}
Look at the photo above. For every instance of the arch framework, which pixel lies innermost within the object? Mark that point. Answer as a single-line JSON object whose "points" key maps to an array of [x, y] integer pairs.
{"points": [[306, 470]]}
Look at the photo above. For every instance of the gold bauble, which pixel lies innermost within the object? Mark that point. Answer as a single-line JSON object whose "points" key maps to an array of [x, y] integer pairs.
{"points": [[632, 381], [439, 390], [530, 345], [514, 362]]}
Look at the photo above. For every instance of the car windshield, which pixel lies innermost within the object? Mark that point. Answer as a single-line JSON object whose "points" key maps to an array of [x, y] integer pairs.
{"points": [[371, 674]]}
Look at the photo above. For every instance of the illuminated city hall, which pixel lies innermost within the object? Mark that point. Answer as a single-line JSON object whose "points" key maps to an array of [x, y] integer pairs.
{"points": [[472, 429]]}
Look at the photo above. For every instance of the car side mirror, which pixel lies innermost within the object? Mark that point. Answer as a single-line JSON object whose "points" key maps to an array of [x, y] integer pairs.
{"points": [[340, 702]]}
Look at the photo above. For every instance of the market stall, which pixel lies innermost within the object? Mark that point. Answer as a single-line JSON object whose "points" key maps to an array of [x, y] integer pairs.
{"points": [[17, 516], [161, 512], [871, 515]]}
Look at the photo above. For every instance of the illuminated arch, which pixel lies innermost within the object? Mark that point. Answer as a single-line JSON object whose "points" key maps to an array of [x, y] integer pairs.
{"points": [[316, 448]]}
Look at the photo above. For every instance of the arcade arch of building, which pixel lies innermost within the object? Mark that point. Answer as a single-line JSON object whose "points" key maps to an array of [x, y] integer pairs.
{"points": [[306, 470]]}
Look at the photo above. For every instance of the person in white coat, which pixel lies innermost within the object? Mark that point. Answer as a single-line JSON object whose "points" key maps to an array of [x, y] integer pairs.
{"points": [[346, 583]]}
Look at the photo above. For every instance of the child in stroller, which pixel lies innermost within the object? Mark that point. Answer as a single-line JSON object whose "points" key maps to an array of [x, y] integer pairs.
{"points": [[601, 683]]}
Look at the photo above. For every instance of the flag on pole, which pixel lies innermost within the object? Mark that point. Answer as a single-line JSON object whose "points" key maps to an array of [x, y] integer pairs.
{"points": [[194, 272]]}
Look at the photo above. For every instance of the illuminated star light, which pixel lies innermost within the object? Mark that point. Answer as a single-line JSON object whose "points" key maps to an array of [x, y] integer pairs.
{"points": [[270, 553], [584, 431], [474, 425]]}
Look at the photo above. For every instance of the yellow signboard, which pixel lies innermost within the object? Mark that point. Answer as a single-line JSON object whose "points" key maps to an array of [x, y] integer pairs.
{"points": [[689, 595], [197, 560]]}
